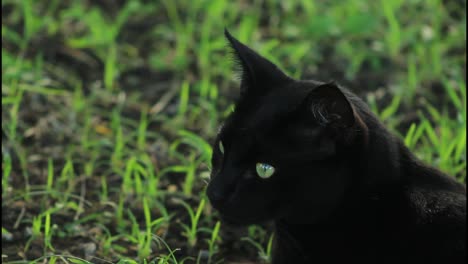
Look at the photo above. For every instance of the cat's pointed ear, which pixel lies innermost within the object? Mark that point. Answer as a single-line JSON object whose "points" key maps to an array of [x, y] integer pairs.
{"points": [[258, 74], [330, 106]]}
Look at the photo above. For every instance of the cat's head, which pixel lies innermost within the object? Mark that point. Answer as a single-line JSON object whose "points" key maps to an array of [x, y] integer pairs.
{"points": [[282, 145]]}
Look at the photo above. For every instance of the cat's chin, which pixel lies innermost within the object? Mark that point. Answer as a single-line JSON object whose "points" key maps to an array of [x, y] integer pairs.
{"points": [[241, 221]]}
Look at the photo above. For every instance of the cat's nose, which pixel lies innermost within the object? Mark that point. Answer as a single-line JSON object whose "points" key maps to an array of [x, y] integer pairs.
{"points": [[220, 190], [217, 195], [216, 198]]}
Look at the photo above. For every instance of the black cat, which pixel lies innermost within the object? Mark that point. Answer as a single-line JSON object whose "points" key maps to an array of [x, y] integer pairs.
{"points": [[339, 187]]}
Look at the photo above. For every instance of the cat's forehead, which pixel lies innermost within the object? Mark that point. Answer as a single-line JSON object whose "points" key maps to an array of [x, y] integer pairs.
{"points": [[264, 111], [256, 115]]}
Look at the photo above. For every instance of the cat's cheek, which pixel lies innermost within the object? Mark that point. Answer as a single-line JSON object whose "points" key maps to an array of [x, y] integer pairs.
{"points": [[249, 175]]}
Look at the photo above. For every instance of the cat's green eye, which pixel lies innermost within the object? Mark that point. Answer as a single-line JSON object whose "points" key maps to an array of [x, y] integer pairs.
{"points": [[264, 170], [221, 147]]}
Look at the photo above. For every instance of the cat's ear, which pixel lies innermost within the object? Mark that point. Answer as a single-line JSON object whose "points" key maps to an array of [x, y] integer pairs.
{"points": [[330, 106], [258, 74]]}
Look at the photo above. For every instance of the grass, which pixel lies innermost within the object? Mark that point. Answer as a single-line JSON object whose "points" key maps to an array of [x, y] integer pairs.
{"points": [[110, 108]]}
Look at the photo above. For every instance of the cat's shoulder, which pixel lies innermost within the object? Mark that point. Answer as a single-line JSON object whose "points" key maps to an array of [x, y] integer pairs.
{"points": [[437, 224], [438, 212]]}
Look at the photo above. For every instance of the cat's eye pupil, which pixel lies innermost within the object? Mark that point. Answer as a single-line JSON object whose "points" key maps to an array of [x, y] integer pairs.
{"points": [[221, 147], [264, 170]]}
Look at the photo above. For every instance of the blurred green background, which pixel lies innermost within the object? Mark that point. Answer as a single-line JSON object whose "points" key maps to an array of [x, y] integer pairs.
{"points": [[109, 109]]}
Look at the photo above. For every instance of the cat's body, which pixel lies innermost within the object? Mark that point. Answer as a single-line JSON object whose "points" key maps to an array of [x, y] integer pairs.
{"points": [[340, 187], [418, 215]]}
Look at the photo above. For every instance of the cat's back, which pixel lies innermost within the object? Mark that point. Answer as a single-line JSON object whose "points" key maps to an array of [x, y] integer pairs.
{"points": [[434, 196], [436, 229]]}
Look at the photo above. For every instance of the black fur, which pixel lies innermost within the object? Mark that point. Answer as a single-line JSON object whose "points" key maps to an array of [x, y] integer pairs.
{"points": [[345, 190]]}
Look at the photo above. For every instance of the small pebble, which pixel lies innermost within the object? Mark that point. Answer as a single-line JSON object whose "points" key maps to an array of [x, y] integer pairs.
{"points": [[6, 236], [89, 250]]}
